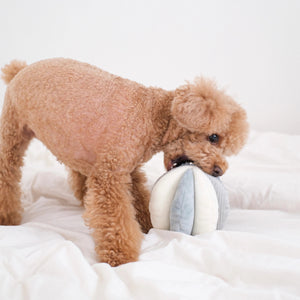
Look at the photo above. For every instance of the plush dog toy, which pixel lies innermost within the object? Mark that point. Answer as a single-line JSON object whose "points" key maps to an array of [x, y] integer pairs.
{"points": [[187, 200]]}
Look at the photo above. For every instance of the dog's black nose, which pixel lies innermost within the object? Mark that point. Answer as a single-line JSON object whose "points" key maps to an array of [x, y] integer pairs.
{"points": [[217, 171]]}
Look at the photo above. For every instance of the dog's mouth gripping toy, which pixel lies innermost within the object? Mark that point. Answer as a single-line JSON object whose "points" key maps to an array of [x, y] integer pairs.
{"points": [[186, 199]]}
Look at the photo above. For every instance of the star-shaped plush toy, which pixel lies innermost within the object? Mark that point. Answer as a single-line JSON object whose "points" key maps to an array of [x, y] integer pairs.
{"points": [[187, 200]]}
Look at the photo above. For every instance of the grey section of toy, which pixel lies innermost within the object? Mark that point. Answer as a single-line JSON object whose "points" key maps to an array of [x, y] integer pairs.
{"points": [[183, 205], [223, 200]]}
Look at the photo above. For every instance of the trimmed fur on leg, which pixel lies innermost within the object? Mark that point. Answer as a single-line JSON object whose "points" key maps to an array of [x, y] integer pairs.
{"points": [[110, 214], [77, 182], [141, 199], [13, 144]]}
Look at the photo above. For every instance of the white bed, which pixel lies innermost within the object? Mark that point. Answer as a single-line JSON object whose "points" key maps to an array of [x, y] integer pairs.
{"points": [[256, 256]]}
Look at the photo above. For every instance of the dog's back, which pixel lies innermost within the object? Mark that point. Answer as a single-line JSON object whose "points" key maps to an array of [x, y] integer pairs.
{"points": [[75, 108]]}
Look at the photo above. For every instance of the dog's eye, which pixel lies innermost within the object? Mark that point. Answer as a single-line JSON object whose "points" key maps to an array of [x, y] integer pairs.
{"points": [[214, 138]]}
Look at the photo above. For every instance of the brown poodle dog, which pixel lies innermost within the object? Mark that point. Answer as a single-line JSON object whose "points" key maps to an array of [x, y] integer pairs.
{"points": [[103, 128]]}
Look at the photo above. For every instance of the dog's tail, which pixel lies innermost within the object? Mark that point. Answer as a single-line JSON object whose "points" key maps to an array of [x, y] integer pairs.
{"points": [[12, 69]]}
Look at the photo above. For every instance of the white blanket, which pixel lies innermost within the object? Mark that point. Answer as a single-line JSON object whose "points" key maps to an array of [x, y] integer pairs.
{"points": [[257, 255]]}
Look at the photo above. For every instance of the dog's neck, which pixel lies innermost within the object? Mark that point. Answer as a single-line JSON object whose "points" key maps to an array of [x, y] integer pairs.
{"points": [[165, 128]]}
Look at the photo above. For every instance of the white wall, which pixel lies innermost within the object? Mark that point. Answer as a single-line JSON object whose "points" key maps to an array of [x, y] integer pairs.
{"points": [[251, 47]]}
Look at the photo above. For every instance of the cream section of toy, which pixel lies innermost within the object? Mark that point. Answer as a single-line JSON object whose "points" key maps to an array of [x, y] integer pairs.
{"points": [[162, 195], [206, 203]]}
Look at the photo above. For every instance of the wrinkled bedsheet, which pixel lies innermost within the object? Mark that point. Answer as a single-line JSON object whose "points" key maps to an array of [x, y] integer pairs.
{"points": [[257, 255]]}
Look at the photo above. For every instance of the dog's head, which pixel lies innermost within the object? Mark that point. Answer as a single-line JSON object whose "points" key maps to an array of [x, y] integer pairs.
{"points": [[205, 126]]}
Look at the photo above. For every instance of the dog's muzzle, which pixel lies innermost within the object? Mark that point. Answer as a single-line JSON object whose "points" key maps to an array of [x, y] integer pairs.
{"points": [[183, 160], [180, 160], [217, 171]]}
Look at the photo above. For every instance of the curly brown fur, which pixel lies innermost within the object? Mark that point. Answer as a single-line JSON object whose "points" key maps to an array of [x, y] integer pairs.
{"points": [[141, 198], [103, 127], [77, 182]]}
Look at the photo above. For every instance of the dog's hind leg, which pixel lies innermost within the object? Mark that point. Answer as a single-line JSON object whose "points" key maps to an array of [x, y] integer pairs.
{"points": [[14, 140], [77, 182]]}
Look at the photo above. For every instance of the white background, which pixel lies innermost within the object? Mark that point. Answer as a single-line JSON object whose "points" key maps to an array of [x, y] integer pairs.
{"points": [[252, 48]]}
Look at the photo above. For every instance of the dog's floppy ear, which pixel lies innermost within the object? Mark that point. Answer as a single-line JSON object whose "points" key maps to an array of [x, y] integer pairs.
{"points": [[201, 107]]}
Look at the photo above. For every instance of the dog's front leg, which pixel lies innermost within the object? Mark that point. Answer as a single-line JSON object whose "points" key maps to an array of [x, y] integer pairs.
{"points": [[141, 199], [111, 216]]}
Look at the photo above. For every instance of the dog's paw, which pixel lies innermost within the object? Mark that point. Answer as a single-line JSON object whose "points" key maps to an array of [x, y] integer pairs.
{"points": [[116, 258], [145, 224], [12, 218], [117, 252]]}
